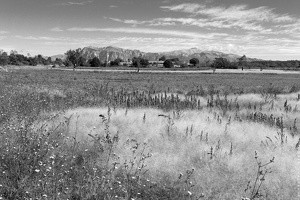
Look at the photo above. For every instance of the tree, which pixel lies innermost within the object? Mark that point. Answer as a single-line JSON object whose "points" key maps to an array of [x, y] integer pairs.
{"points": [[73, 57], [163, 58], [168, 64], [47, 62], [13, 59], [221, 63], [40, 59], [144, 62], [135, 61], [4, 59], [139, 62], [82, 61], [194, 61], [58, 62], [116, 62], [175, 60], [95, 62]]}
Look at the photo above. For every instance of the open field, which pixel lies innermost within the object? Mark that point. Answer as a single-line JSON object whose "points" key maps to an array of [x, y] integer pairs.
{"points": [[111, 135], [181, 82]]}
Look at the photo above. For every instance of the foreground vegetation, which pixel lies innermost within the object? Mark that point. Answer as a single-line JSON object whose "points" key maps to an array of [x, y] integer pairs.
{"points": [[65, 136]]}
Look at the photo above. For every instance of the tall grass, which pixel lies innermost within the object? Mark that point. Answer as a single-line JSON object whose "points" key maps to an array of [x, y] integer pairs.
{"points": [[107, 143]]}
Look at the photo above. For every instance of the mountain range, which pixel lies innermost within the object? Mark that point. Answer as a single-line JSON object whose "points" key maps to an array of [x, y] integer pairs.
{"points": [[111, 53]]}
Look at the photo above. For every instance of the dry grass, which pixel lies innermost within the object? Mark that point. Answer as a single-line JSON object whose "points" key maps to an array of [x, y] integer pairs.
{"points": [[99, 142]]}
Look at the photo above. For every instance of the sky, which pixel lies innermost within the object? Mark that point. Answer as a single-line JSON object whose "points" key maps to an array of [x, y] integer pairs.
{"points": [[265, 29]]}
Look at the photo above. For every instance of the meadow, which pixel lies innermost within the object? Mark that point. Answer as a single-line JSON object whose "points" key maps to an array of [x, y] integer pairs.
{"points": [[89, 135]]}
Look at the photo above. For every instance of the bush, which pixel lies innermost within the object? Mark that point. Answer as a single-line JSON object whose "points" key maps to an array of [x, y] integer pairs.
{"points": [[194, 61], [95, 62], [168, 64]]}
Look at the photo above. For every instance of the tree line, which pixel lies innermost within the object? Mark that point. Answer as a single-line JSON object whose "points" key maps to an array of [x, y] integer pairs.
{"points": [[74, 58], [19, 59]]}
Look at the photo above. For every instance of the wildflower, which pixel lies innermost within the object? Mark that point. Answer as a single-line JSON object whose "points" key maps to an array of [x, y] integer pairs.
{"points": [[189, 193], [37, 170]]}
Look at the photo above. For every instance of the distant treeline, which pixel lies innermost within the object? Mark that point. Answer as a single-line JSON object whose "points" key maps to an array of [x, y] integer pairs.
{"points": [[19, 59], [75, 59], [290, 64]]}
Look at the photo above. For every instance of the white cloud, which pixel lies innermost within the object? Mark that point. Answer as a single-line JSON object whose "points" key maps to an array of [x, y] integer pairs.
{"points": [[219, 24], [185, 7], [127, 21], [154, 22], [4, 32], [148, 31], [234, 12], [70, 3], [113, 6], [40, 38], [262, 19], [56, 29]]}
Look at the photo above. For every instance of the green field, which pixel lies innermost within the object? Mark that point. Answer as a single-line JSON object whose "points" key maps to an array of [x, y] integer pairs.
{"points": [[120, 135]]}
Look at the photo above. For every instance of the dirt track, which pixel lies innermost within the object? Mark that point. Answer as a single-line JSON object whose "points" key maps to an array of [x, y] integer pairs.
{"points": [[218, 71]]}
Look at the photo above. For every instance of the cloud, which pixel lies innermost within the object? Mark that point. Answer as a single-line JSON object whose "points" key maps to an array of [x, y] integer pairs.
{"points": [[40, 38], [56, 29], [113, 6], [234, 12], [154, 22], [234, 16], [2, 37], [192, 22], [185, 7], [129, 21], [148, 31], [70, 3], [4, 32]]}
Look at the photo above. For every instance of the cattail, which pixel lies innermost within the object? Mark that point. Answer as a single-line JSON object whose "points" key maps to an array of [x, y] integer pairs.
{"points": [[144, 118], [231, 149], [298, 144]]}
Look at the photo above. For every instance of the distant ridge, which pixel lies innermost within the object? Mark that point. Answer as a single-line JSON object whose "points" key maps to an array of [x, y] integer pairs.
{"points": [[110, 53]]}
